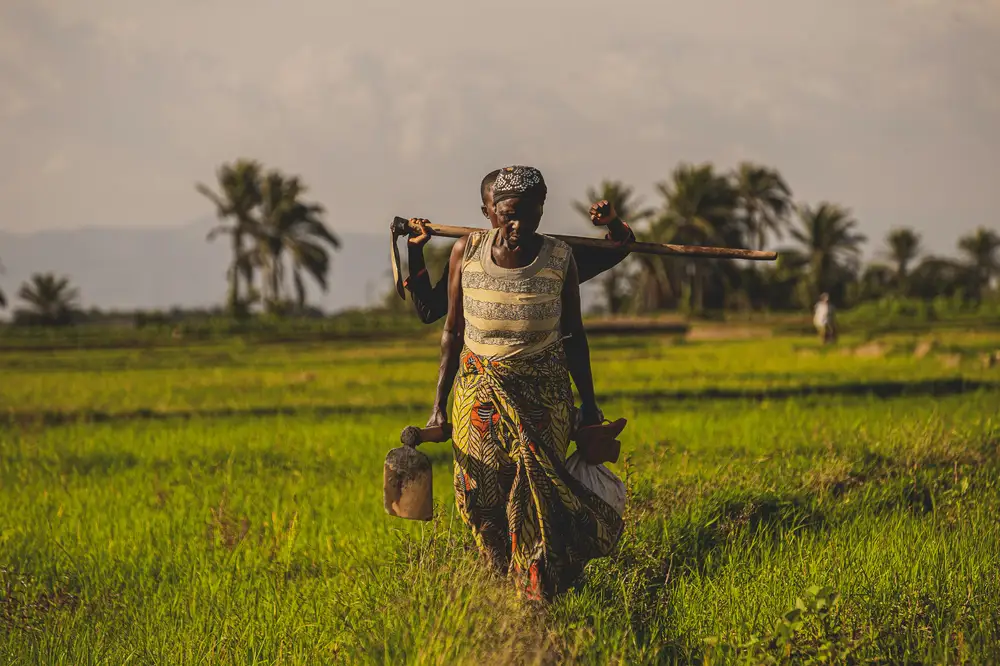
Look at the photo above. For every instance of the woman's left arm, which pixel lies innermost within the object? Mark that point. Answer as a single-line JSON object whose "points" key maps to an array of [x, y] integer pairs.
{"points": [[577, 349], [591, 262]]}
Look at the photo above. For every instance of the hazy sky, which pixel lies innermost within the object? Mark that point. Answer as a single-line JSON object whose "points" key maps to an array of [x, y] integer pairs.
{"points": [[110, 110]]}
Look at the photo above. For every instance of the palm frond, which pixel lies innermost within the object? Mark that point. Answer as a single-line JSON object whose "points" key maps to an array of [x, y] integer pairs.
{"points": [[48, 294], [216, 231], [314, 260], [222, 208], [314, 227]]}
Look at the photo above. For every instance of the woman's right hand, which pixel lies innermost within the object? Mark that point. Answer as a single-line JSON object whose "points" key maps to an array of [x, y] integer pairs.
{"points": [[422, 235]]}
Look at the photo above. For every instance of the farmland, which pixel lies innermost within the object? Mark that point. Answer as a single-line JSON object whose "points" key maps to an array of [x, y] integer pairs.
{"points": [[221, 503]]}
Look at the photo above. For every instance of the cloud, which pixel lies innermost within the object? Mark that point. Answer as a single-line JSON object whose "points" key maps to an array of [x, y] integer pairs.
{"points": [[399, 108]]}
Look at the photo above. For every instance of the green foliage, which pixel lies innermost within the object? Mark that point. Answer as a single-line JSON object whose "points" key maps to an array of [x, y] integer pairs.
{"points": [[828, 234], [903, 247], [699, 207], [892, 313], [982, 250], [804, 634], [175, 329], [764, 201]]}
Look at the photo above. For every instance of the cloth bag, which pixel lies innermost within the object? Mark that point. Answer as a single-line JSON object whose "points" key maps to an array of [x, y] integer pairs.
{"points": [[597, 478]]}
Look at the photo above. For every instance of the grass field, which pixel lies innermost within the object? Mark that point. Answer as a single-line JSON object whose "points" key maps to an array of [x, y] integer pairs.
{"points": [[222, 504]]}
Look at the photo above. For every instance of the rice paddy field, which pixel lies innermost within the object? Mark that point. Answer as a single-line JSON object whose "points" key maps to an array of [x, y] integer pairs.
{"points": [[221, 504]]}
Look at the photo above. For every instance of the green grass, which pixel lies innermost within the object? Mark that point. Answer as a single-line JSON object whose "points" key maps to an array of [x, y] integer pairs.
{"points": [[222, 504], [141, 330]]}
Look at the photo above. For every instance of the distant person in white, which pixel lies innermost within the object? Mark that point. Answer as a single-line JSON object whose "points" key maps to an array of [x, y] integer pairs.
{"points": [[823, 319]]}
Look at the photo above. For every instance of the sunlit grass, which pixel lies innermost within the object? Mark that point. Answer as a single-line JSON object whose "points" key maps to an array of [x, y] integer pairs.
{"points": [[239, 538]]}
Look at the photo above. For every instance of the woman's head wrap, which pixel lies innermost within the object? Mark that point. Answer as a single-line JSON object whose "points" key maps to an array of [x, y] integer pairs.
{"points": [[519, 181]]}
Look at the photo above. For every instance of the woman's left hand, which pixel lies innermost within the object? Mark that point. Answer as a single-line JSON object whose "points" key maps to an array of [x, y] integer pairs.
{"points": [[438, 418], [590, 415], [602, 212]]}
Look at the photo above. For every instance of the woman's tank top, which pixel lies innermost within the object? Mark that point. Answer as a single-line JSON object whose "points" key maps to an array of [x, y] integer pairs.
{"points": [[512, 311]]}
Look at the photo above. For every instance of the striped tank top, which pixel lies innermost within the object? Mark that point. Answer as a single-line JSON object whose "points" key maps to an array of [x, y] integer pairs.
{"points": [[512, 311]]}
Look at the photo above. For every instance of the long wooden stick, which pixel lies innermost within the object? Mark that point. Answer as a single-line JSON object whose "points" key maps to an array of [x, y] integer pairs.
{"points": [[694, 251]]}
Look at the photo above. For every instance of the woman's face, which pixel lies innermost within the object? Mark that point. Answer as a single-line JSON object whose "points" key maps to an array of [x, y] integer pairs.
{"points": [[517, 219]]}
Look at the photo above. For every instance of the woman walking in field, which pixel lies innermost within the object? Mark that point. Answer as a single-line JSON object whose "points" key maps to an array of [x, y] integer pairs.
{"points": [[513, 336]]}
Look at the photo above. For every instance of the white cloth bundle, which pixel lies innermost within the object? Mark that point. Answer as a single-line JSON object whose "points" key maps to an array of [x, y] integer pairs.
{"points": [[597, 478]]}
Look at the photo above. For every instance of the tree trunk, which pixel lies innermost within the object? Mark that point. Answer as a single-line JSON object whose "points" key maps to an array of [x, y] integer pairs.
{"points": [[233, 301], [275, 283], [819, 274], [300, 291], [609, 293], [686, 303], [267, 285], [698, 291]]}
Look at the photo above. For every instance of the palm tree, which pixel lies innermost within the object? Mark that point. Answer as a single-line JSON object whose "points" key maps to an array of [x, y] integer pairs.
{"points": [[289, 224], [700, 203], [631, 211], [617, 287], [239, 194], [828, 235], [937, 276], [981, 250], [621, 196], [51, 298], [699, 208], [903, 247], [3, 298], [764, 201], [781, 280], [876, 281]]}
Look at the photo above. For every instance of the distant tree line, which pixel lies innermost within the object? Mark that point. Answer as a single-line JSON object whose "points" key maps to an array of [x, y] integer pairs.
{"points": [[753, 205], [275, 235]]}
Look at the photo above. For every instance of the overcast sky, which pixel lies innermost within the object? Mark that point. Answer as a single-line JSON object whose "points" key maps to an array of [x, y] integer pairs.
{"points": [[110, 110]]}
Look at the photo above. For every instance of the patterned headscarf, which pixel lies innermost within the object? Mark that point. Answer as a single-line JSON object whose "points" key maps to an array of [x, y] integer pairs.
{"points": [[519, 181]]}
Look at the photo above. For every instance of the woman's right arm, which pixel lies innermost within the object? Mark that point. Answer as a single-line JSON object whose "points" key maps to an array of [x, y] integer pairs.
{"points": [[431, 303], [452, 338]]}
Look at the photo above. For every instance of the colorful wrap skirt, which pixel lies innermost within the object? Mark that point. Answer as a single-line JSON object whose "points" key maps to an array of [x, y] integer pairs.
{"points": [[529, 515]]}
